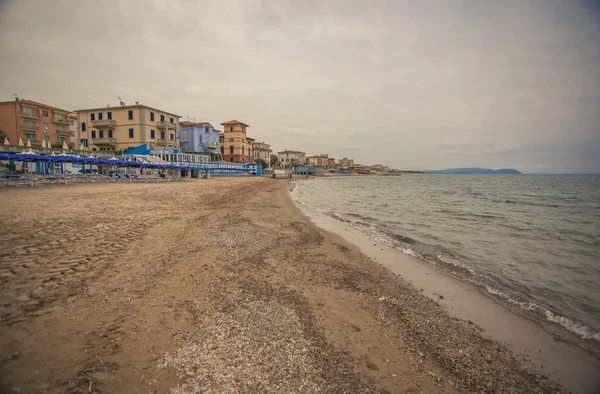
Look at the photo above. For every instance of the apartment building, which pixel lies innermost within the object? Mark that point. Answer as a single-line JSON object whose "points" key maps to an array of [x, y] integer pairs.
{"points": [[127, 126], [345, 163], [236, 147], [73, 130], [321, 160], [292, 156], [198, 137], [35, 122], [262, 151]]}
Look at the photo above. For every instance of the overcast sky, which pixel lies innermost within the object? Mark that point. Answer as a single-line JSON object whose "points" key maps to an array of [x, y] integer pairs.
{"points": [[411, 84]]}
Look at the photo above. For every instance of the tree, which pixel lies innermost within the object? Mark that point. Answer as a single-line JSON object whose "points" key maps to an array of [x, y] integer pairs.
{"points": [[260, 161], [274, 160]]}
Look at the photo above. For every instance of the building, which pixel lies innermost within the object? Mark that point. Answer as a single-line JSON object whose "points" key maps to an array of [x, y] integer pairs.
{"points": [[73, 130], [126, 126], [331, 162], [346, 163], [292, 156], [198, 137], [28, 120], [236, 147], [262, 151], [380, 169], [321, 160], [361, 169]]}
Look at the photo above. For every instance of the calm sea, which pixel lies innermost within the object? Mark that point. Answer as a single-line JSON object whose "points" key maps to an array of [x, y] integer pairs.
{"points": [[533, 240]]}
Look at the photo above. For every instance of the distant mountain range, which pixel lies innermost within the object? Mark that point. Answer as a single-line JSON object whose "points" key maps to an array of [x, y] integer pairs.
{"points": [[473, 171]]}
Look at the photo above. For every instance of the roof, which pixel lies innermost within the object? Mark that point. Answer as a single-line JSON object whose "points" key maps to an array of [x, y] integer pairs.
{"points": [[234, 122], [31, 102], [290, 151], [260, 143], [188, 123], [250, 139], [126, 106]]}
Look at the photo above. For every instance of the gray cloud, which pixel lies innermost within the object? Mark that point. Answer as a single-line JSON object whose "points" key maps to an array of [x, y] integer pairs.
{"points": [[411, 84]]}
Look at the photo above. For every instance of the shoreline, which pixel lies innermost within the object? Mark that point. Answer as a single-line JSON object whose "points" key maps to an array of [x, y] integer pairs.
{"points": [[218, 285], [570, 361]]}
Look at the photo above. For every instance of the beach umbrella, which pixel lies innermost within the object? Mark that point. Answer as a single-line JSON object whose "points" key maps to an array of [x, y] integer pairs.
{"points": [[29, 143], [65, 146], [6, 141], [21, 142], [5, 156]]}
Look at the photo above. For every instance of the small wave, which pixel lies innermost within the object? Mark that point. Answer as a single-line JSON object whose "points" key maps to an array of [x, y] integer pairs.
{"points": [[532, 204], [578, 329]]}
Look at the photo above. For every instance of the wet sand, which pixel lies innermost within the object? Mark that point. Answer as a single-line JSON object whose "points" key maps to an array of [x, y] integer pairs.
{"points": [[212, 286], [534, 342]]}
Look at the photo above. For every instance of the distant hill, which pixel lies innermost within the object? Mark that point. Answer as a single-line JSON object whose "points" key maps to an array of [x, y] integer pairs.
{"points": [[473, 171]]}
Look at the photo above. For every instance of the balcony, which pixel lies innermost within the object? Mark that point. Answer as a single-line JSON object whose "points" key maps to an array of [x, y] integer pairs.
{"points": [[104, 141], [64, 120], [163, 125], [161, 141], [104, 124], [209, 145], [26, 127], [35, 114]]}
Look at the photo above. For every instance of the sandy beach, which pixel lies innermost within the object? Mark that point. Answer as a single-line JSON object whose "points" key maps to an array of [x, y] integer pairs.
{"points": [[220, 285]]}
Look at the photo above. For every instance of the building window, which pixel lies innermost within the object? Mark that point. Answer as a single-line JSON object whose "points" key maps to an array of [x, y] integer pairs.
{"points": [[109, 133], [58, 117], [184, 136], [28, 111], [130, 116], [93, 133], [92, 117], [61, 140], [100, 133], [152, 134], [30, 124], [83, 126], [46, 113], [72, 134], [171, 120], [60, 128], [84, 142], [130, 131], [172, 136], [99, 115], [162, 118], [72, 122], [46, 126], [109, 115], [162, 135], [206, 129], [152, 116], [30, 137], [231, 150]]}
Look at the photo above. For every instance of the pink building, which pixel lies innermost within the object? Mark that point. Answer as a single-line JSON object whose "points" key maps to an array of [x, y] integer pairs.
{"points": [[33, 121]]}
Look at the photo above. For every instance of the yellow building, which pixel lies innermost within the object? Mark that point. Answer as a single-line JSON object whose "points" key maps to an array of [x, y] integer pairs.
{"points": [[346, 163], [126, 126], [236, 147], [262, 151]]}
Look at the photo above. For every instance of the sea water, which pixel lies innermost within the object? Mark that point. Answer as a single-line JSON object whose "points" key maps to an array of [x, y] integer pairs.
{"points": [[532, 240]]}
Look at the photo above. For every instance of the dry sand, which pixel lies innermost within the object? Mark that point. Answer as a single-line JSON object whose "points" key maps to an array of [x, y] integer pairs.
{"points": [[219, 285]]}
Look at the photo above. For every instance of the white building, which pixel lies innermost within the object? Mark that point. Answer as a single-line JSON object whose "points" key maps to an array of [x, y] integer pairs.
{"points": [[287, 157]]}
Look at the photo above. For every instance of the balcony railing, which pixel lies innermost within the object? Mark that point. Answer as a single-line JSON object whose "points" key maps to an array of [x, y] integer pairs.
{"points": [[64, 120], [165, 125], [209, 145], [104, 141], [35, 113], [162, 141], [24, 126], [104, 123]]}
